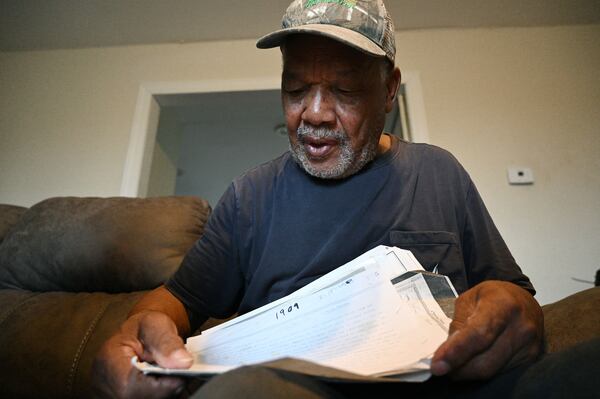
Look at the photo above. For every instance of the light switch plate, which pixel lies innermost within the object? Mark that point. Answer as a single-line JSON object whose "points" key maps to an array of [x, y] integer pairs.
{"points": [[520, 175]]}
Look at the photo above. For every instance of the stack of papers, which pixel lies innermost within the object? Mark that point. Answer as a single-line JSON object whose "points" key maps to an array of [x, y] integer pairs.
{"points": [[380, 315]]}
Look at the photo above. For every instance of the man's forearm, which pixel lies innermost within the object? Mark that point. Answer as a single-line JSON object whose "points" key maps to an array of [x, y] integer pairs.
{"points": [[161, 300]]}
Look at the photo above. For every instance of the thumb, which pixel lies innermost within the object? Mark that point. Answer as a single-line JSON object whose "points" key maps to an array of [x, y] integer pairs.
{"points": [[171, 353], [162, 344]]}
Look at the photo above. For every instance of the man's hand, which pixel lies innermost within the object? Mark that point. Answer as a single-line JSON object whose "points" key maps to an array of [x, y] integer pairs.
{"points": [[497, 325], [152, 336]]}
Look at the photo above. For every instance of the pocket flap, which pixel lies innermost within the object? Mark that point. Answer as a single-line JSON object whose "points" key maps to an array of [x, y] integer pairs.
{"points": [[435, 249]]}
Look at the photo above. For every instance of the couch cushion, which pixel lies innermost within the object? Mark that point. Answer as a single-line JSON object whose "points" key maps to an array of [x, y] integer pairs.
{"points": [[572, 320], [9, 216], [100, 244], [49, 340]]}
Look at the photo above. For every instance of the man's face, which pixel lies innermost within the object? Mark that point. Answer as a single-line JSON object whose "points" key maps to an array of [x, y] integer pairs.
{"points": [[334, 99]]}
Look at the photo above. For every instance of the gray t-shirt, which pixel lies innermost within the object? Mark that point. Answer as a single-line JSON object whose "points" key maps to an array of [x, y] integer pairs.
{"points": [[277, 228]]}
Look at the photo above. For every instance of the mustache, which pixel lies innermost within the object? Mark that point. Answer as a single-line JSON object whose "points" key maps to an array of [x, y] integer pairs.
{"points": [[320, 133]]}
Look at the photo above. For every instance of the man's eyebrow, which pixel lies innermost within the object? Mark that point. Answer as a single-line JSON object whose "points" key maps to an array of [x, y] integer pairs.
{"points": [[351, 72]]}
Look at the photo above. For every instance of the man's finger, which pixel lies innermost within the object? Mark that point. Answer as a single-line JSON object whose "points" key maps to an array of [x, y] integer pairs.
{"points": [[486, 363], [468, 339], [145, 386], [477, 325], [512, 347], [114, 377], [161, 342], [462, 346], [497, 325]]}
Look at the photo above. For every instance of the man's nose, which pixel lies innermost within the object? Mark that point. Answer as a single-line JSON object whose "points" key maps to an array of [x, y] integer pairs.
{"points": [[319, 108]]}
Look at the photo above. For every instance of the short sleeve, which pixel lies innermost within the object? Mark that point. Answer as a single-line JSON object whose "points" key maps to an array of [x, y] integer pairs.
{"points": [[209, 281], [486, 255]]}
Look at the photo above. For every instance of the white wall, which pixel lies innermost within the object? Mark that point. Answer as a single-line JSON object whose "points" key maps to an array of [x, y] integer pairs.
{"points": [[66, 115], [494, 97]]}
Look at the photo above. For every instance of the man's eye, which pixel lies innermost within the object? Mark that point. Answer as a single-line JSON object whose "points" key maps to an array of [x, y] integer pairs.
{"points": [[347, 90], [293, 90]]}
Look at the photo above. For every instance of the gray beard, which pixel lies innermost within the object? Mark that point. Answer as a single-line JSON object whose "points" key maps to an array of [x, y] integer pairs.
{"points": [[349, 161]]}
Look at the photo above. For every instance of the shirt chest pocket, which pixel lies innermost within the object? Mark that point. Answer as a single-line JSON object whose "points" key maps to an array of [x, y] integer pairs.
{"points": [[439, 250]]}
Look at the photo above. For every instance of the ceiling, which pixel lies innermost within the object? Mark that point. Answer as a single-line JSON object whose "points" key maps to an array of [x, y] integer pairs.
{"points": [[55, 24]]}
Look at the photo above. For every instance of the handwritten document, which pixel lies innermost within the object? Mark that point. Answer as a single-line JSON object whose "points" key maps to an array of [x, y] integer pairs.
{"points": [[354, 320]]}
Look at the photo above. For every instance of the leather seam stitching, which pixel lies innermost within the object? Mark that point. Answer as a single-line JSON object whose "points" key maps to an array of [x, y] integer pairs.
{"points": [[82, 345]]}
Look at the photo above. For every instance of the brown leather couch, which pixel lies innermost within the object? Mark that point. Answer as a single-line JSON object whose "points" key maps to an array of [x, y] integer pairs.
{"points": [[70, 271], [72, 268]]}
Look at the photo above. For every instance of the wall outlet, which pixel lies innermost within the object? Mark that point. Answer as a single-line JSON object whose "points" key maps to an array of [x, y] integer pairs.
{"points": [[520, 175]]}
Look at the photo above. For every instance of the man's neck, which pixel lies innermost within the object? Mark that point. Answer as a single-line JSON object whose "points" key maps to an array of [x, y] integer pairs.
{"points": [[385, 143]]}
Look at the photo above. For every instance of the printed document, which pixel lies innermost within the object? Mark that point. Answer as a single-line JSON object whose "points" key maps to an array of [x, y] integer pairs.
{"points": [[366, 319]]}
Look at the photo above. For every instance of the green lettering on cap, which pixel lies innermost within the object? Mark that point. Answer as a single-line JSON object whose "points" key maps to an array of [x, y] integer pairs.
{"points": [[344, 3]]}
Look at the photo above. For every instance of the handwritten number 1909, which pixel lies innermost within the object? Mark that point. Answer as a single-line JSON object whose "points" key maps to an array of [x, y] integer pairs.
{"points": [[284, 311]]}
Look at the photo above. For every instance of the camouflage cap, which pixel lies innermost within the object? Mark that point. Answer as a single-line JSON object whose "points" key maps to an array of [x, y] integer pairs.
{"points": [[362, 24]]}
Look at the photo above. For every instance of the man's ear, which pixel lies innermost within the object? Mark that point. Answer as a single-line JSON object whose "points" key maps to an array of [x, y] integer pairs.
{"points": [[392, 86]]}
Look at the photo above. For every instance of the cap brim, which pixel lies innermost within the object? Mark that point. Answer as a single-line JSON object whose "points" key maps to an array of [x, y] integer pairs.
{"points": [[344, 35]]}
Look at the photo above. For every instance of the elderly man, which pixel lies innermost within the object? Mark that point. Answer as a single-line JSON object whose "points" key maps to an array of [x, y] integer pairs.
{"points": [[343, 188]]}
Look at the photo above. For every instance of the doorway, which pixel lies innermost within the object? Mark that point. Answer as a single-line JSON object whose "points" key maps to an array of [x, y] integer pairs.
{"points": [[205, 140]]}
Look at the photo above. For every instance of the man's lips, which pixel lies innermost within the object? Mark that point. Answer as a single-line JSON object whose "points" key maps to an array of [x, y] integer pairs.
{"points": [[318, 148]]}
